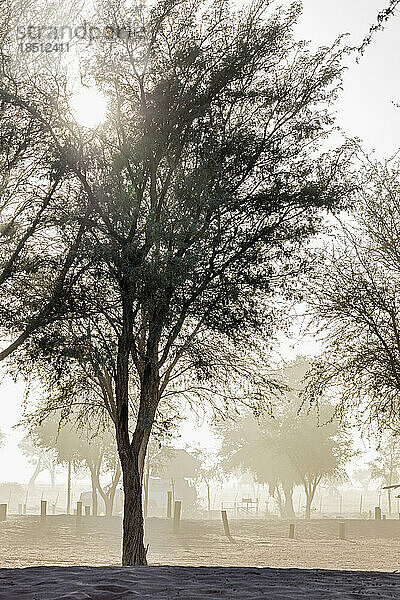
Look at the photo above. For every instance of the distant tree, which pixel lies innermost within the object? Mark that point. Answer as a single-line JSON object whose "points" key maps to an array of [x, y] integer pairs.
{"points": [[210, 472], [101, 457], [73, 445], [175, 463], [41, 458], [295, 447], [249, 444], [386, 466], [354, 297], [363, 477]]}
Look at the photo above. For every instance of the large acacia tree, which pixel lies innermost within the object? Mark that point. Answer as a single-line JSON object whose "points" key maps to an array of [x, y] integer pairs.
{"points": [[191, 207]]}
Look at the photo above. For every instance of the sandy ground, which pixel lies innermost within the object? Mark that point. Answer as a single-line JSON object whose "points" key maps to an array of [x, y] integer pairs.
{"points": [[95, 541], [198, 559]]}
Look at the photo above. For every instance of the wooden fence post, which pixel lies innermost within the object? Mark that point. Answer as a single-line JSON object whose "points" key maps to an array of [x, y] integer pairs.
{"points": [[342, 530], [169, 505], [226, 525], [20, 509], [291, 531], [378, 513], [87, 511], [177, 516], [3, 512], [43, 509], [78, 509]]}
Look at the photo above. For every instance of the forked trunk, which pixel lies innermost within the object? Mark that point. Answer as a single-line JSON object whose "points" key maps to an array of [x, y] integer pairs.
{"points": [[308, 507], [133, 550], [109, 502], [132, 451], [94, 496], [289, 508], [38, 469]]}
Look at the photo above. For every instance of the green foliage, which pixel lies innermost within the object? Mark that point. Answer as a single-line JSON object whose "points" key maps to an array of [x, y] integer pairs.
{"points": [[289, 448], [206, 202], [70, 442], [362, 476], [354, 293], [174, 463], [297, 446], [382, 18], [386, 466]]}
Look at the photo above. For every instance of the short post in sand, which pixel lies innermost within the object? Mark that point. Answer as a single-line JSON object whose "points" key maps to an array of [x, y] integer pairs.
{"points": [[3, 512], [78, 510], [226, 525], [342, 530], [291, 531], [177, 516], [169, 505], [43, 509], [378, 513], [87, 511], [20, 509]]}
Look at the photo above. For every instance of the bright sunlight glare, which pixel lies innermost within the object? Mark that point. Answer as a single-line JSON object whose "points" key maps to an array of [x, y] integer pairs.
{"points": [[89, 107]]}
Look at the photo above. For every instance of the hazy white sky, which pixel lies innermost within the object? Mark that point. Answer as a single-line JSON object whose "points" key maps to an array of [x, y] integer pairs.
{"points": [[365, 109]]}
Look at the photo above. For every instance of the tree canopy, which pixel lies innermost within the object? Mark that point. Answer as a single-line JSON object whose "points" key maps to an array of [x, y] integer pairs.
{"points": [[354, 292]]}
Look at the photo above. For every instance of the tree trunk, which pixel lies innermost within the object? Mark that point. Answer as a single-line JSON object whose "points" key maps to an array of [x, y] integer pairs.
{"points": [[109, 502], [310, 487], [109, 496], [38, 469], [279, 500], [288, 508], [132, 451], [95, 508], [113, 487], [146, 491], [308, 506], [53, 476]]}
